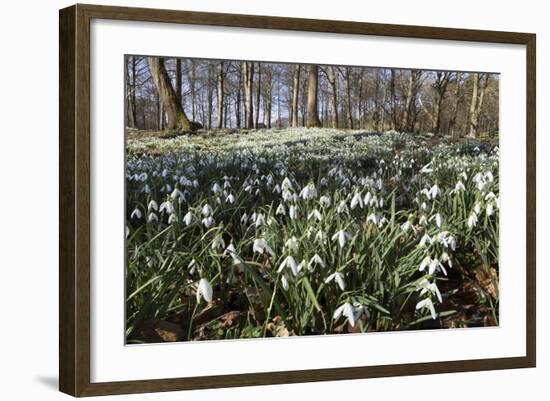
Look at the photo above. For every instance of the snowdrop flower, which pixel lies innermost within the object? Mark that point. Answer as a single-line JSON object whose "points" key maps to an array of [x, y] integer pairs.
{"points": [[280, 210], [248, 189], [301, 265], [204, 290], [425, 239], [172, 219], [435, 191], [367, 198], [406, 226], [286, 184], [284, 282], [260, 246], [472, 220], [152, 217], [425, 286], [208, 221], [136, 213], [438, 220], [342, 207], [166, 207], [293, 212], [226, 184], [260, 220], [308, 192], [477, 208], [459, 187], [339, 278], [244, 218], [434, 264], [423, 220], [445, 258], [277, 189], [152, 206], [216, 188], [427, 169], [356, 200], [218, 242], [127, 231], [315, 213], [188, 218], [292, 244], [427, 303], [230, 199], [324, 201], [425, 262], [347, 311], [290, 263], [176, 194], [490, 196], [207, 210], [192, 266], [323, 182], [315, 260], [320, 237], [489, 209], [342, 237]]}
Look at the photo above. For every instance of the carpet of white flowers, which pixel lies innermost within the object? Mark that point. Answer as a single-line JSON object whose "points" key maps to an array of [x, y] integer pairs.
{"points": [[240, 234]]}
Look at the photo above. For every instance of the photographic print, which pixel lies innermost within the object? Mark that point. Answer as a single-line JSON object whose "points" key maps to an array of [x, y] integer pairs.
{"points": [[281, 199]]}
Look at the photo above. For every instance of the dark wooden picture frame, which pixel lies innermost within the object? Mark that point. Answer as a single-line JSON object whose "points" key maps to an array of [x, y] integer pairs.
{"points": [[74, 199]]}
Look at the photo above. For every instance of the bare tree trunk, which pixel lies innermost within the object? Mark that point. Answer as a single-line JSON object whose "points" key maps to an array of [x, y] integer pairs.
{"points": [[295, 93], [238, 99], [348, 97], [168, 99], [193, 91], [312, 85], [248, 71], [258, 93], [452, 123], [220, 106], [393, 100], [333, 81], [473, 106], [410, 88], [474, 116], [178, 80]]}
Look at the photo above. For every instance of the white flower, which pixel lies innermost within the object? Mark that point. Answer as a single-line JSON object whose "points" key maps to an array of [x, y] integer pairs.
{"points": [[216, 188], [342, 207], [204, 290], [288, 262], [260, 246], [301, 265], [308, 192], [423, 220], [293, 212], [372, 218], [188, 218], [136, 213], [192, 266], [172, 219], [356, 200], [459, 187], [406, 226], [347, 311], [425, 286], [342, 237], [152, 217], [425, 239], [244, 218], [230, 250], [152, 206], [176, 193], [286, 184], [260, 220], [324, 201], [280, 210], [284, 282], [127, 231], [292, 243], [316, 259], [477, 208], [315, 213], [472, 220], [230, 198], [208, 221], [218, 242], [434, 191], [166, 207], [339, 278], [320, 237], [207, 210], [427, 303], [438, 220], [489, 210], [425, 262]]}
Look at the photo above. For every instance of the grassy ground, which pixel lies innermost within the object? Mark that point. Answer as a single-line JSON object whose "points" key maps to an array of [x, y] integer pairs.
{"points": [[252, 233]]}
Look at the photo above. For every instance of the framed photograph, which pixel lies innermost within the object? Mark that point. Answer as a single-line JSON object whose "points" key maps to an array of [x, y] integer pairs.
{"points": [[250, 200]]}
